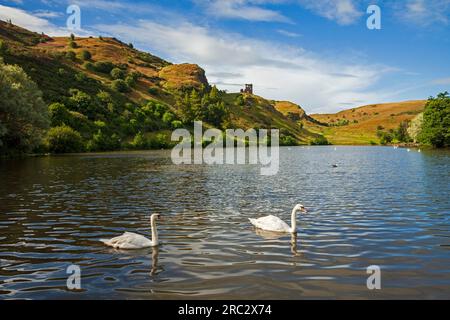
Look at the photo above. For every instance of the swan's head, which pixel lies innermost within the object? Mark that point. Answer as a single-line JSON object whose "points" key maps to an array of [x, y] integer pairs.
{"points": [[300, 208], [155, 216]]}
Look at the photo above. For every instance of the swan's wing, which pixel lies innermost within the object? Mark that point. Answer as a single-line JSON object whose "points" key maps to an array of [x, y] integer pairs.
{"points": [[271, 223], [128, 240]]}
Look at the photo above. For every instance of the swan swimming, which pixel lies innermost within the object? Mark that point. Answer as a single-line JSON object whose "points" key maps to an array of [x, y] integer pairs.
{"points": [[129, 240], [275, 224]]}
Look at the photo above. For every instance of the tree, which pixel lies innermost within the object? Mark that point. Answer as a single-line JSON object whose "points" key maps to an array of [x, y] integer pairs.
{"points": [[103, 66], [401, 134], [118, 73], [70, 55], [73, 44], [3, 48], [23, 113], [386, 138], [436, 121], [85, 55], [120, 85], [320, 141], [72, 37], [64, 139], [415, 127], [59, 114]]}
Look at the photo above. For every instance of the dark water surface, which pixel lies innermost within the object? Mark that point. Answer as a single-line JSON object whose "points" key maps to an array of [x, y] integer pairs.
{"points": [[381, 206]]}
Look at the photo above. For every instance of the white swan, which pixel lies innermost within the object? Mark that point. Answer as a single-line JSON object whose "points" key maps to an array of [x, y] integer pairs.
{"points": [[131, 240], [275, 224]]}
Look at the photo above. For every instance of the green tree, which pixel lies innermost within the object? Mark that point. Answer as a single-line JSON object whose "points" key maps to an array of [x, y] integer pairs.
{"points": [[23, 113], [401, 134], [3, 48], [139, 141], [118, 73], [320, 141], [120, 85], [64, 139], [85, 55], [70, 55], [73, 44], [436, 122], [59, 114], [103, 66], [386, 138]]}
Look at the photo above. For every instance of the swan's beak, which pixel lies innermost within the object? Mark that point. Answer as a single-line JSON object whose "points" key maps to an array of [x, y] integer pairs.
{"points": [[304, 210]]}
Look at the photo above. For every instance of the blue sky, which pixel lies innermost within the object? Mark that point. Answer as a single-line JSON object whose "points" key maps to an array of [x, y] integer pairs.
{"points": [[317, 53]]}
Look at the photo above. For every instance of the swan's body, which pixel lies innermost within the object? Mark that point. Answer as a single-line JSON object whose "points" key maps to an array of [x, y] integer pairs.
{"points": [[275, 224], [129, 240]]}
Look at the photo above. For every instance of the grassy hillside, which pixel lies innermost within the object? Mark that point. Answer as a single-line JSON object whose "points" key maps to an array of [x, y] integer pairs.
{"points": [[61, 64], [114, 92], [360, 125]]}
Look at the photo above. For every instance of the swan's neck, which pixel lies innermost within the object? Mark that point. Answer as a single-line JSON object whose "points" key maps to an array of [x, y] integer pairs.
{"points": [[154, 233], [294, 221]]}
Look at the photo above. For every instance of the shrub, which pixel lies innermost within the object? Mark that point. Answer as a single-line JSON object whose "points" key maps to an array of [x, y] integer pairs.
{"points": [[70, 55], [73, 44], [59, 115], [287, 140], [117, 73], [139, 141], [62, 72], [120, 86], [386, 138], [102, 142], [81, 77], [176, 124], [64, 139], [103, 66], [3, 48], [168, 117], [85, 55], [89, 66], [320, 141], [240, 100], [153, 91]]}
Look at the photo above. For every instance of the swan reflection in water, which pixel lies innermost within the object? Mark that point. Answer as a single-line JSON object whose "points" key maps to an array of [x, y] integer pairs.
{"points": [[270, 235], [155, 255], [127, 254]]}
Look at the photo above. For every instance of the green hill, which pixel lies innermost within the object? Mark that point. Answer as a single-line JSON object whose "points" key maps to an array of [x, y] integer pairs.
{"points": [[113, 94]]}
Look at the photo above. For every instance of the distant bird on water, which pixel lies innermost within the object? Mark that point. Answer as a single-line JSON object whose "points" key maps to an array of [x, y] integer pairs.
{"points": [[334, 165]]}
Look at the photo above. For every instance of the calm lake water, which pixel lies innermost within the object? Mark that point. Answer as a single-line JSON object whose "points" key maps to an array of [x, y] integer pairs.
{"points": [[381, 206]]}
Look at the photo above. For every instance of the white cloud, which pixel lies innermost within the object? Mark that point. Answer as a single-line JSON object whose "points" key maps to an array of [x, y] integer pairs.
{"points": [[344, 12], [243, 9], [46, 14], [424, 12], [277, 71], [34, 23], [289, 33]]}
